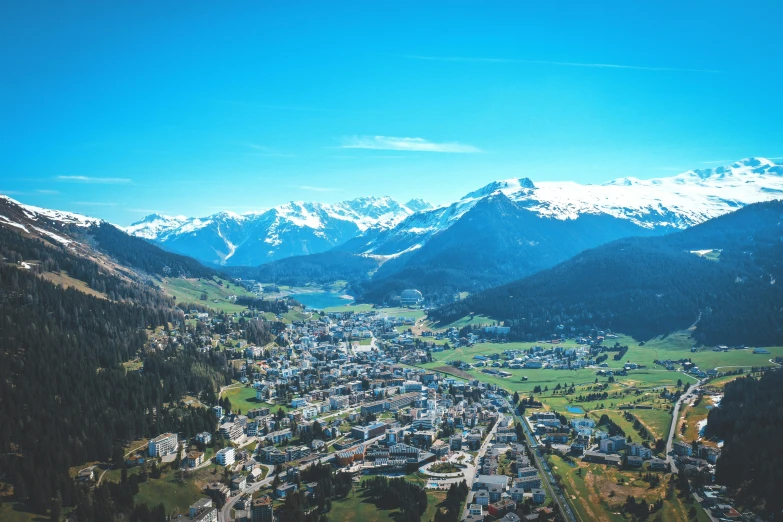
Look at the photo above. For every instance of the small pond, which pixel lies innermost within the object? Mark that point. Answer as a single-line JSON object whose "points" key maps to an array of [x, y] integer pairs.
{"points": [[575, 409]]}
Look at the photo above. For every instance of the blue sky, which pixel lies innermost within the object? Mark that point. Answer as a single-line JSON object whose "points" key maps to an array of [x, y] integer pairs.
{"points": [[118, 109]]}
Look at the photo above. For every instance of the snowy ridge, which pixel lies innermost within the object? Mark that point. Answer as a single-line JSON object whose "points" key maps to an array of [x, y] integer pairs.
{"points": [[68, 218], [677, 202], [294, 228], [383, 227], [155, 225], [662, 203]]}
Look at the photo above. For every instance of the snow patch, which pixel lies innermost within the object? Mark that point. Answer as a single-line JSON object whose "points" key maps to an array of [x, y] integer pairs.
{"points": [[56, 237], [13, 223]]}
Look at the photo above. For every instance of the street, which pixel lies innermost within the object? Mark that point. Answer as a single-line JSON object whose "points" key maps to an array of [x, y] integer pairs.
{"points": [[481, 452], [673, 428], [547, 478]]}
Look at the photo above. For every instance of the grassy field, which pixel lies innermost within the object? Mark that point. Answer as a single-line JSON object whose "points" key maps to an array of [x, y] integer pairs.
{"points": [[134, 365], [460, 323], [190, 290], [168, 490], [676, 346], [349, 308], [13, 512], [408, 313], [244, 398], [597, 493], [356, 508], [720, 382], [690, 416], [114, 475], [66, 281]]}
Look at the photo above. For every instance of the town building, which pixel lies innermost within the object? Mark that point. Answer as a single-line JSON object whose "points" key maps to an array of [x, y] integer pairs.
{"points": [[225, 457], [194, 458], [163, 445], [261, 510]]}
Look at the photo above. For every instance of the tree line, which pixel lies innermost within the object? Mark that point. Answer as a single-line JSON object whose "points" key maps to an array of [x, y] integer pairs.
{"points": [[749, 421], [655, 285]]}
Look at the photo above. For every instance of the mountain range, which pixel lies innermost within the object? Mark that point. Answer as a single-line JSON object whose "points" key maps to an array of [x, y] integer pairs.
{"points": [[386, 229], [721, 277], [638, 268], [253, 238], [499, 233]]}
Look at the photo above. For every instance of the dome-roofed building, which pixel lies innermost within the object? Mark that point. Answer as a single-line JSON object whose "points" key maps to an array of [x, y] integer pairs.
{"points": [[411, 297]]}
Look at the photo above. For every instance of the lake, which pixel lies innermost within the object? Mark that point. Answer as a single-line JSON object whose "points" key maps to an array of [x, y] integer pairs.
{"points": [[321, 300], [575, 409]]}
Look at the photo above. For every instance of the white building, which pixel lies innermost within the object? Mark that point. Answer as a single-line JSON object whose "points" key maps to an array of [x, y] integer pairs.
{"points": [[225, 457], [309, 412], [412, 386], [163, 445], [339, 402], [231, 430]]}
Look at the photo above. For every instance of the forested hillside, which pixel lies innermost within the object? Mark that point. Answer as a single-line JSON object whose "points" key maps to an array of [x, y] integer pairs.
{"points": [[65, 397], [495, 242], [321, 268], [142, 255], [749, 421], [651, 286]]}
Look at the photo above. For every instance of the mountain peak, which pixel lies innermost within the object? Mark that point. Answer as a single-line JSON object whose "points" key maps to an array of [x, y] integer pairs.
{"points": [[754, 162], [743, 167], [507, 186], [418, 204]]}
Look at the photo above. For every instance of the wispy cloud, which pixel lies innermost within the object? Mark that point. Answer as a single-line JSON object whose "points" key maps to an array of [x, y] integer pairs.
{"points": [[96, 181], [47, 191], [405, 144], [376, 156], [563, 64], [317, 189], [94, 203], [722, 162]]}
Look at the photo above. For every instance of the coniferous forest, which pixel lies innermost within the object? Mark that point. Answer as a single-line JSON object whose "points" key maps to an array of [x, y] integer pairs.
{"points": [[652, 286], [65, 397], [749, 421]]}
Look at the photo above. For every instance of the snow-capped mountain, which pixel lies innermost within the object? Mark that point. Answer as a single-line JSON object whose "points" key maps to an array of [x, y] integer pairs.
{"points": [[295, 228], [155, 225], [37, 221], [386, 229], [34, 213], [659, 204]]}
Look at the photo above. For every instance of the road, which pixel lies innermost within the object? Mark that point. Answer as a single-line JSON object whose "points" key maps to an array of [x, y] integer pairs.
{"points": [[469, 479], [100, 478], [675, 418], [550, 484], [467, 469], [224, 515]]}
